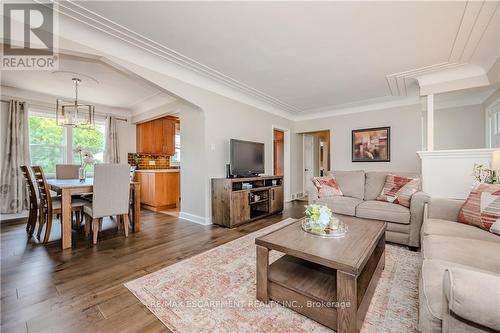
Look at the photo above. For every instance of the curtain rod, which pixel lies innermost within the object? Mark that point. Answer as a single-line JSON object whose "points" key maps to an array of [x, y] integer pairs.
{"points": [[48, 107]]}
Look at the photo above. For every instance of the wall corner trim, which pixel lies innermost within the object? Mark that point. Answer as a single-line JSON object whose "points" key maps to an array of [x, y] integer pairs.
{"points": [[195, 218]]}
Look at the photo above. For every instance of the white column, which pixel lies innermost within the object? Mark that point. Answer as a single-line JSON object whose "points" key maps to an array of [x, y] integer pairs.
{"points": [[430, 122]]}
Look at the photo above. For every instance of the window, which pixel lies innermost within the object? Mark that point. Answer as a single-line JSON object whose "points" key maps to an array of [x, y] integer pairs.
{"points": [[47, 142], [176, 159], [91, 140], [51, 144]]}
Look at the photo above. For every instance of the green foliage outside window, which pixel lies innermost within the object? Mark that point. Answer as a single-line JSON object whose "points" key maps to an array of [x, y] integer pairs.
{"points": [[46, 143], [48, 147]]}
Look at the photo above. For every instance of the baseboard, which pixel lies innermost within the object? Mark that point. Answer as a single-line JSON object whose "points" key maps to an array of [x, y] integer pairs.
{"points": [[195, 218]]}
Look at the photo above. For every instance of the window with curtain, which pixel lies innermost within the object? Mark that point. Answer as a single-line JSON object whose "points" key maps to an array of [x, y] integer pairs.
{"points": [[92, 140], [494, 126], [51, 144], [47, 142]]}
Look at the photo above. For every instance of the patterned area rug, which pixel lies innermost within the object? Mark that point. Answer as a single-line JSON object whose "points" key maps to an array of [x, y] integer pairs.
{"points": [[215, 292]]}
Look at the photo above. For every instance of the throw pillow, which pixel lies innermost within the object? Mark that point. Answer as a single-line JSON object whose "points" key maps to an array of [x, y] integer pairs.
{"points": [[327, 186], [399, 189], [495, 228], [482, 207]]}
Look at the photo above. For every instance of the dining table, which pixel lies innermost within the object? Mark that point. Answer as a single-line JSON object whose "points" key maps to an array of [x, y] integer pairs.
{"points": [[68, 187]]}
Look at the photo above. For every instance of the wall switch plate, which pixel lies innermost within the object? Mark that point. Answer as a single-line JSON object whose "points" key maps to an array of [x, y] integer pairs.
{"points": [[152, 162], [212, 146]]}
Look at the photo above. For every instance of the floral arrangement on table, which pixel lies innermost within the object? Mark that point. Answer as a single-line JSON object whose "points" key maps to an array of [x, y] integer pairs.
{"points": [[484, 175], [321, 220], [86, 159]]}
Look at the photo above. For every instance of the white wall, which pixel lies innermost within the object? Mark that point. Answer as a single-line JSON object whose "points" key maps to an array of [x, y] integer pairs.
{"points": [[406, 137], [126, 137], [460, 127]]}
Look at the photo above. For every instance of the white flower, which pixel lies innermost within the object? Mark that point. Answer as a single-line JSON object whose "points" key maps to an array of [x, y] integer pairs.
{"points": [[78, 149], [325, 214]]}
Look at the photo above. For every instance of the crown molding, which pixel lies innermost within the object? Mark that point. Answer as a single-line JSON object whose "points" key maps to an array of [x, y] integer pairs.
{"points": [[48, 101], [95, 21], [474, 22], [371, 105]]}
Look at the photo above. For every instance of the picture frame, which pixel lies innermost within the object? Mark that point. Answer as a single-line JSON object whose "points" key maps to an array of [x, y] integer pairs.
{"points": [[371, 144]]}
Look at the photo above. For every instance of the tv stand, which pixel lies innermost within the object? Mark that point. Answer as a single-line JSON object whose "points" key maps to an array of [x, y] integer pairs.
{"points": [[236, 201]]}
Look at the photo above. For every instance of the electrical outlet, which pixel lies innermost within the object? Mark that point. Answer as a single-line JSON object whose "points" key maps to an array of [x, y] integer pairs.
{"points": [[152, 162]]}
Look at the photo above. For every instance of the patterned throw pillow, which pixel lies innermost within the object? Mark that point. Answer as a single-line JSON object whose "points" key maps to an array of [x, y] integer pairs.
{"points": [[399, 189], [327, 186], [482, 207]]}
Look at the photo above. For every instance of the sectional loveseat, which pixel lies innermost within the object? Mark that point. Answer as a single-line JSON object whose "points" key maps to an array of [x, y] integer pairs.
{"points": [[459, 285], [360, 190]]}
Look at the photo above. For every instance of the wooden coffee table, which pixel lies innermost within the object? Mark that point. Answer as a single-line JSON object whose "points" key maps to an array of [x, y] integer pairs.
{"points": [[330, 280]]}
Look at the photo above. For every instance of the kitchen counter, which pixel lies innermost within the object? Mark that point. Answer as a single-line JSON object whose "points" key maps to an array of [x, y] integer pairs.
{"points": [[157, 170]]}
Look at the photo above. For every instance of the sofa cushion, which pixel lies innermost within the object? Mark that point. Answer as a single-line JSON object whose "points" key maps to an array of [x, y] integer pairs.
{"points": [[431, 293], [375, 181], [455, 229], [351, 183], [471, 252], [384, 211], [341, 205]]}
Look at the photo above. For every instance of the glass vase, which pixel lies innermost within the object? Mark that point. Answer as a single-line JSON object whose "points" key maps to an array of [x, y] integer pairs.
{"points": [[81, 174]]}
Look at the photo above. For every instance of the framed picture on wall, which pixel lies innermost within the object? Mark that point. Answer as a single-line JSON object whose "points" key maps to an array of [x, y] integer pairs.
{"points": [[371, 145]]}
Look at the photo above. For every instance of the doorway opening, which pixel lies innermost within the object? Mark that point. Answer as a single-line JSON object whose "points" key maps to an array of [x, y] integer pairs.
{"points": [[316, 152], [279, 152]]}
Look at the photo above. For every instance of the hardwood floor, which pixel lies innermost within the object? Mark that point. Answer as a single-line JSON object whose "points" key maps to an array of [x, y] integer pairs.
{"points": [[81, 289]]}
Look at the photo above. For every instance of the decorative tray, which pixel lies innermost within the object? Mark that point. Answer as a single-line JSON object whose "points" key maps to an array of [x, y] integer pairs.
{"points": [[328, 232]]}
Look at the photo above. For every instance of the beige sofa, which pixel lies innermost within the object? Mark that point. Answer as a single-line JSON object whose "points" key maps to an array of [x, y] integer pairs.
{"points": [[360, 191], [459, 285]]}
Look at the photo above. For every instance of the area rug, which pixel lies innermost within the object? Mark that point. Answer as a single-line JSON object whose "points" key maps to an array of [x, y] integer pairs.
{"points": [[215, 292]]}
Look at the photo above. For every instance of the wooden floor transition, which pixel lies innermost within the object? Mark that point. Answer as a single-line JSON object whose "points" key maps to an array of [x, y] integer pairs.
{"points": [[81, 289]]}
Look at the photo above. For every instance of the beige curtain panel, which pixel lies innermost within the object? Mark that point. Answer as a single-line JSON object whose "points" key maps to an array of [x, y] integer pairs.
{"points": [[111, 146], [13, 193]]}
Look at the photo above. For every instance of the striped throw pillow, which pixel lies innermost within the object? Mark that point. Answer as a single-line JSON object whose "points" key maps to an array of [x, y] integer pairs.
{"points": [[327, 186], [482, 207], [399, 189]]}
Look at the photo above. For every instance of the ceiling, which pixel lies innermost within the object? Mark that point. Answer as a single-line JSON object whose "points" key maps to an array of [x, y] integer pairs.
{"points": [[101, 84], [316, 56]]}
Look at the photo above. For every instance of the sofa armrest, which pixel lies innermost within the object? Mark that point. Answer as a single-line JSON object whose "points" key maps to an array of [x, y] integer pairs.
{"points": [[417, 204], [312, 193], [471, 299], [445, 209]]}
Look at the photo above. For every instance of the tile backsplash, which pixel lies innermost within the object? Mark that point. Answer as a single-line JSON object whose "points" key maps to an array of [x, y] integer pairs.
{"points": [[145, 161]]}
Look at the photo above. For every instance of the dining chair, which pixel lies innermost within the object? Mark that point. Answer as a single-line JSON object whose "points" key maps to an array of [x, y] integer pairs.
{"points": [[50, 205], [67, 171], [70, 171], [33, 200], [110, 197]]}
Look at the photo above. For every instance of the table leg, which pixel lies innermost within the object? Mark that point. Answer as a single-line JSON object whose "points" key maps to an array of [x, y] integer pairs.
{"points": [[137, 208], [346, 295], [65, 218], [262, 271]]}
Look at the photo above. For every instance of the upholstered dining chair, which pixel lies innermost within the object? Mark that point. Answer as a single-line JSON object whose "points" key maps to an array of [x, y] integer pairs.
{"points": [[49, 205], [33, 200], [110, 197], [67, 171]]}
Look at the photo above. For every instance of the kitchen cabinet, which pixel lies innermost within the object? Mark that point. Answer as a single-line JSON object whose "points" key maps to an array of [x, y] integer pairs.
{"points": [[160, 189], [156, 137]]}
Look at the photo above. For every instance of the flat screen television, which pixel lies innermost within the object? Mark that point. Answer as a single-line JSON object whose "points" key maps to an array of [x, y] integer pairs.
{"points": [[247, 158]]}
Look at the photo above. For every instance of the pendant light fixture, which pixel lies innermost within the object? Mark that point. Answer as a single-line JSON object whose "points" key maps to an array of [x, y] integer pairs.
{"points": [[74, 114]]}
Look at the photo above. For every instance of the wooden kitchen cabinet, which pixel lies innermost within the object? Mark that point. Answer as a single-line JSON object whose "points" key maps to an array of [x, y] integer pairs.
{"points": [[156, 137], [159, 189]]}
